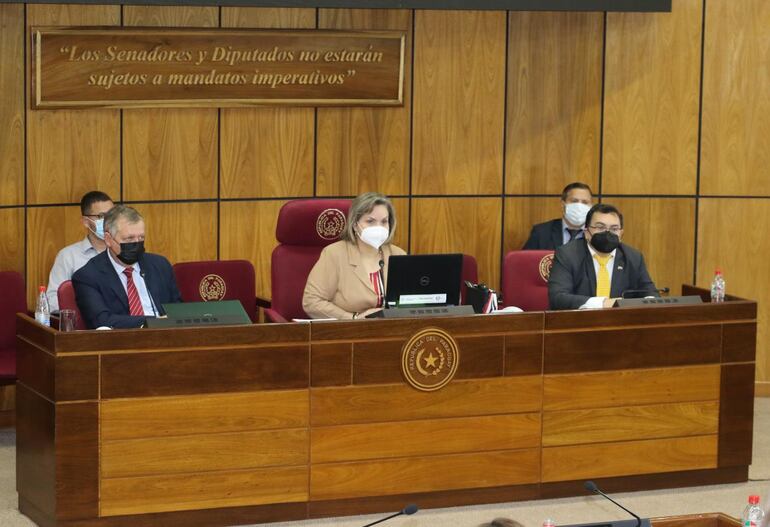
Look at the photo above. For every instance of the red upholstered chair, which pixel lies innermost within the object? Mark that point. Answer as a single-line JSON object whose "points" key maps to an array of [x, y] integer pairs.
{"points": [[304, 228], [525, 279], [66, 296], [218, 280], [14, 301], [470, 273]]}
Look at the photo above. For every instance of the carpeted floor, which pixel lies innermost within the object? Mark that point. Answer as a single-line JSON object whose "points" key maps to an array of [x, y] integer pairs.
{"points": [[729, 499]]}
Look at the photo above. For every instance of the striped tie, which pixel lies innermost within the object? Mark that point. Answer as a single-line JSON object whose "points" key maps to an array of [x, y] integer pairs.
{"points": [[603, 278], [134, 303]]}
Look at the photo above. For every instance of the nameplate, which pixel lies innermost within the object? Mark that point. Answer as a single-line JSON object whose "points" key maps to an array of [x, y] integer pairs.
{"points": [[150, 67]]}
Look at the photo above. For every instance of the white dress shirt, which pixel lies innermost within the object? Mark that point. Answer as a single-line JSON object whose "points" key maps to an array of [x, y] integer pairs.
{"points": [[141, 286], [596, 302], [566, 236], [68, 260]]}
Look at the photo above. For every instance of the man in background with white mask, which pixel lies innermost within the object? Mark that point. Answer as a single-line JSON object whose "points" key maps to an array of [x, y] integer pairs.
{"points": [[93, 206], [348, 281], [576, 199]]}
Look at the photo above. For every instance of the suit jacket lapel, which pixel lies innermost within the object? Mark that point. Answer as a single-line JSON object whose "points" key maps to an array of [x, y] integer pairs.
{"points": [[112, 280], [354, 259], [619, 274], [556, 233], [589, 268]]}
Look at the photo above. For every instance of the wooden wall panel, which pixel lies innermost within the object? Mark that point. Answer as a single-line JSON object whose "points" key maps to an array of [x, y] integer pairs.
{"points": [[521, 214], [70, 152], [179, 416], [736, 80], [51, 229], [629, 458], [459, 100], [364, 149], [418, 438], [267, 152], [170, 153], [204, 452], [660, 227], [248, 231], [464, 225], [368, 404], [554, 101], [630, 422], [652, 84], [206, 490], [610, 389], [182, 232], [12, 106], [732, 234], [410, 475], [12, 240]]}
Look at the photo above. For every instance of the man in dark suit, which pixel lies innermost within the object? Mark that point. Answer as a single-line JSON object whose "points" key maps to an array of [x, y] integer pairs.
{"points": [[576, 199], [123, 285], [594, 272]]}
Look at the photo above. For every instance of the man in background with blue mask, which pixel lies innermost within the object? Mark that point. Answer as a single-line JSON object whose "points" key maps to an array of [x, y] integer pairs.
{"points": [[124, 285], [93, 206], [576, 199]]}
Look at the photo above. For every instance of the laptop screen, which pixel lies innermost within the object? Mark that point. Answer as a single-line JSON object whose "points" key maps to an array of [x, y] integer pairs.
{"points": [[424, 280]]}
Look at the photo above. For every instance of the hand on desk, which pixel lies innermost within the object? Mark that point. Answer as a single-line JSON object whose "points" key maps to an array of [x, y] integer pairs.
{"points": [[368, 312]]}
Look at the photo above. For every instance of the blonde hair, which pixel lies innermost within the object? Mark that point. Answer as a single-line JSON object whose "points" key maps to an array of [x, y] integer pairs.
{"points": [[364, 204]]}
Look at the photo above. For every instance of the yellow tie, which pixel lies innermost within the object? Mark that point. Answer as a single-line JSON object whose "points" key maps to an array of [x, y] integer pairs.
{"points": [[603, 278]]}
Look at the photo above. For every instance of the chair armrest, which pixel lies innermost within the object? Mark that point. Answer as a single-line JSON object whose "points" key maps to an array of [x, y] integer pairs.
{"points": [[271, 315]]}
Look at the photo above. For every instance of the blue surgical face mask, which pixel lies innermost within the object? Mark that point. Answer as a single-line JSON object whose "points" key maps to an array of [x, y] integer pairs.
{"points": [[98, 229]]}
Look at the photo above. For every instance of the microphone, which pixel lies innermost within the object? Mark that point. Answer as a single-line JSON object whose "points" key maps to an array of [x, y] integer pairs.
{"points": [[384, 297], [408, 510], [591, 487], [149, 293]]}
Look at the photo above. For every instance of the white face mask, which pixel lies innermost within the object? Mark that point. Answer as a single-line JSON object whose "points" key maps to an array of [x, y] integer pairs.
{"points": [[575, 213], [374, 236]]}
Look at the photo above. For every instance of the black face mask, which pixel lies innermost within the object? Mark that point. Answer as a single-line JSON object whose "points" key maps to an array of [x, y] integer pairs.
{"points": [[131, 252], [605, 242]]}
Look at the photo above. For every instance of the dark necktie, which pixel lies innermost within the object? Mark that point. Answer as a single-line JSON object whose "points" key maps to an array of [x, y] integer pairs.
{"points": [[134, 303], [573, 233]]}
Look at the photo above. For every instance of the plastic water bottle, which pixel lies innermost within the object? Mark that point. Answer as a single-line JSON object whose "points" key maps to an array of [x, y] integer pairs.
{"points": [[753, 514], [549, 523], [42, 311], [718, 287]]}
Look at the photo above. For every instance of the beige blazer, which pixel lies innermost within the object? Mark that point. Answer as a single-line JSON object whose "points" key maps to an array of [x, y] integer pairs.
{"points": [[338, 286]]}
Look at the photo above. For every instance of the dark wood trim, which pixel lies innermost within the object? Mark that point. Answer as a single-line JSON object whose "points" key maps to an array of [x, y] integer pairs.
{"points": [[736, 414], [404, 328], [77, 460], [35, 368], [622, 349], [199, 371], [202, 518], [512, 5], [739, 342], [35, 455], [77, 378], [651, 316]]}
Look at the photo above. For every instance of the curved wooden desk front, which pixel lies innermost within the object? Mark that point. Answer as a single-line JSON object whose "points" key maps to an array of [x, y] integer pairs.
{"points": [[228, 425]]}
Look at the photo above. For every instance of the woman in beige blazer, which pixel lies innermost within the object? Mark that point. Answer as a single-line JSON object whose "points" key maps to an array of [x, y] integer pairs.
{"points": [[348, 281]]}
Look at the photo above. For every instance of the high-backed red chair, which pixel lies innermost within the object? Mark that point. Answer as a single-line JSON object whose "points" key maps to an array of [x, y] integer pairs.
{"points": [[66, 296], [218, 280], [14, 301], [525, 279], [304, 228], [470, 273]]}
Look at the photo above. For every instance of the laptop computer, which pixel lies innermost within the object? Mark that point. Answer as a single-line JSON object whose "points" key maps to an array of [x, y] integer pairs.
{"points": [[186, 314], [424, 280]]}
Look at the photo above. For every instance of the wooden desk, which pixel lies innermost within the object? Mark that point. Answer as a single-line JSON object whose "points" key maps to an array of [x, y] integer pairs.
{"points": [[246, 424]]}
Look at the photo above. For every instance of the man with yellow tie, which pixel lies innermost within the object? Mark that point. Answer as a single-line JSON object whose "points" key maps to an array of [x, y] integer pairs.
{"points": [[595, 271]]}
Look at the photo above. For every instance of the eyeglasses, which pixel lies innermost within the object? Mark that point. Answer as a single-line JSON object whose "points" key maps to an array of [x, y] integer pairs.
{"points": [[97, 216], [600, 227]]}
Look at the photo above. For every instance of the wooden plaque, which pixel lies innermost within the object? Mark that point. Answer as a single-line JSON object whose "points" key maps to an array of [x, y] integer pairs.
{"points": [[151, 67]]}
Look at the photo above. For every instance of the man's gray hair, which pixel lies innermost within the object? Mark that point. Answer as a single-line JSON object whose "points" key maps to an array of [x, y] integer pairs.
{"points": [[111, 219]]}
